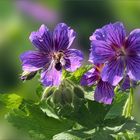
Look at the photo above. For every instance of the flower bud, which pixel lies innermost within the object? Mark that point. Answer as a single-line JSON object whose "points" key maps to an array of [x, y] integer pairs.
{"points": [[63, 96], [48, 92], [57, 96], [78, 92], [67, 95], [27, 75]]}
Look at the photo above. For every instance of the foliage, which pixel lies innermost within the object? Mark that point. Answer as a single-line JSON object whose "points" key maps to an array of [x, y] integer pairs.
{"points": [[32, 120], [68, 112]]}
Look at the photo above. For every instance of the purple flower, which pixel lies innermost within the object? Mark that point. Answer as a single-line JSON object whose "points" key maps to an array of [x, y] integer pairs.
{"points": [[52, 54], [38, 11], [104, 91], [120, 54], [127, 83]]}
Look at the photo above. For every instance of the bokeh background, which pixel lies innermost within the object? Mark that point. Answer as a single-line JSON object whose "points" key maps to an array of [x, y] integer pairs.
{"points": [[18, 18]]}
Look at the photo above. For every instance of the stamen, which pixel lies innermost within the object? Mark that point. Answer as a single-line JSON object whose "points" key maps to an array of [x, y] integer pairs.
{"points": [[99, 67], [59, 60], [121, 52]]}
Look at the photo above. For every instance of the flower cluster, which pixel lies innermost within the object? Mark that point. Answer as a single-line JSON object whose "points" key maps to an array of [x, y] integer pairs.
{"points": [[120, 57], [115, 58]]}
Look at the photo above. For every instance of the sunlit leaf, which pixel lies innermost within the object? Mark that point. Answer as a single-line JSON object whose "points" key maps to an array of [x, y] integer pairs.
{"points": [[10, 101], [116, 109], [33, 121]]}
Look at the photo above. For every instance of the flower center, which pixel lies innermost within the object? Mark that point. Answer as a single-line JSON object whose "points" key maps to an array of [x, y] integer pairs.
{"points": [[59, 60], [99, 67], [121, 52]]}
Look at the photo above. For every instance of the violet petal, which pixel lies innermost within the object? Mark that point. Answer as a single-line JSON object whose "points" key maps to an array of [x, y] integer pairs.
{"points": [[113, 71], [89, 78], [101, 52], [63, 36], [133, 42], [112, 33], [133, 67], [33, 60], [75, 58], [104, 92], [42, 39], [51, 76]]}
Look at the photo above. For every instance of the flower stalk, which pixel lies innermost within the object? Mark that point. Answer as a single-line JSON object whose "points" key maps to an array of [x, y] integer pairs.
{"points": [[128, 108]]}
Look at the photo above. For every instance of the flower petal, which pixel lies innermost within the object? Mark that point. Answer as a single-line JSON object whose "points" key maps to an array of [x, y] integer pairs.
{"points": [[113, 71], [51, 76], [33, 60], [114, 34], [104, 92], [42, 39], [105, 41], [73, 59], [133, 67], [133, 42], [101, 52], [125, 84], [89, 78], [63, 36]]}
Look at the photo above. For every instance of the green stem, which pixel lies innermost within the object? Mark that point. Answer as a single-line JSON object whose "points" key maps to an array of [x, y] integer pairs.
{"points": [[44, 92], [128, 108], [132, 100], [116, 89]]}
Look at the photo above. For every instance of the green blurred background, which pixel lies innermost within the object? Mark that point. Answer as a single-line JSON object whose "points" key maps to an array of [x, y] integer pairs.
{"points": [[19, 18]]}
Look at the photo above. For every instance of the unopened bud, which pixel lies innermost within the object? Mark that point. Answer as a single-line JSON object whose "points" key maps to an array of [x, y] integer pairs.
{"points": [[57, 97], [27, 75], [63, 96], [78, 92], [48, 92], [67, 95]]}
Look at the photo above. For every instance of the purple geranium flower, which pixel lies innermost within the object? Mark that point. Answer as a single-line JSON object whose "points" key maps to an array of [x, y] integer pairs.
{"points": [[52, 54], [104, 91], [120, 54]]}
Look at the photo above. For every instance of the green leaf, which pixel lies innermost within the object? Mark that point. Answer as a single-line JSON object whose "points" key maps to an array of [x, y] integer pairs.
{"points": [[33, 121], [76, 76], [87, 113], [48, 107], [39, 91], [128, 130], [126, 136], [10, 101], [116, 109], [130, 125], [81, 134], [85, 134], [89, 92], [98, 112]]}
